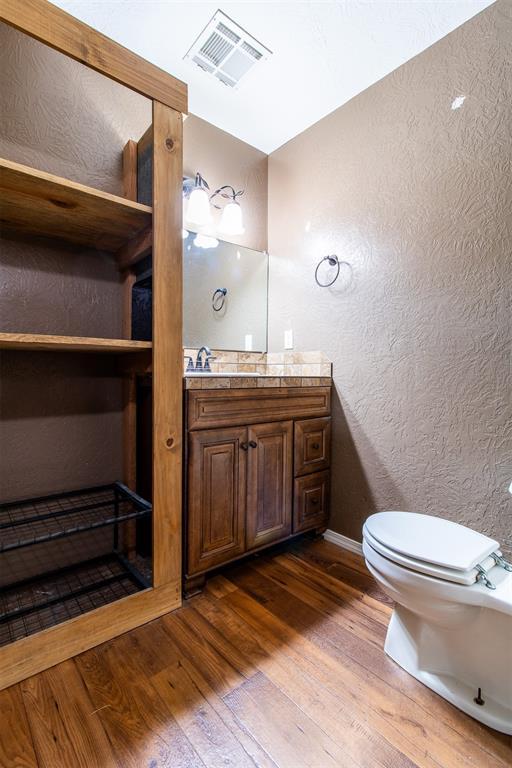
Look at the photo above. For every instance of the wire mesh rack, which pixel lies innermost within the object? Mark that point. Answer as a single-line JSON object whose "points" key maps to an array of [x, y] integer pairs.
{"points": [[33, 521], [35, 604]]}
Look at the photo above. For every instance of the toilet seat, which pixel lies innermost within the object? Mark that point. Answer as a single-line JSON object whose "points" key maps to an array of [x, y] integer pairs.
{"points": [[448, 574], [433, 546]]}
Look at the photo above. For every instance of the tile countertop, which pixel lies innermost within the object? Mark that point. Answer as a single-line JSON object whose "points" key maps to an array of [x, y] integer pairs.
{"points": [[272, 369], [247, 382]]}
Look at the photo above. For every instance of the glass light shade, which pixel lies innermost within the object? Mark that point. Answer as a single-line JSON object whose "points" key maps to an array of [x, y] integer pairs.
{"points": [[198, 208], [205, 241], [231, 220], [184, 233]]}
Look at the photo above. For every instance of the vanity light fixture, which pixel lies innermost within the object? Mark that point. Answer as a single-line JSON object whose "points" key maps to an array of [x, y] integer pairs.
{"points": [[198, 208], [198, 212], [231, 222]]}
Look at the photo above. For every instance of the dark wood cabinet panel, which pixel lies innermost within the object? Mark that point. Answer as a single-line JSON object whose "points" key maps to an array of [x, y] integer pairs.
{"points": [[216, 497], [269, 483], [311, 501], [312, 445], [257, 472], [218, 408]]}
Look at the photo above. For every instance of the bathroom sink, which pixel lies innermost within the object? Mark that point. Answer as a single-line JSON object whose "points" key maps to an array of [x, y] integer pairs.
{"points": [[210, 373]]}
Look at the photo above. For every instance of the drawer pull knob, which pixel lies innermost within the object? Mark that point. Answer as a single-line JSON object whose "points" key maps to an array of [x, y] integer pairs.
{"points": [[314, 501], [244, 446], [315, 446], [253, 443]]}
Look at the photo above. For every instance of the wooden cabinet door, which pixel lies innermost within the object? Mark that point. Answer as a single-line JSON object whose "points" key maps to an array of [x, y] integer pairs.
{"points": [[311, 503], [269, 483], [217, 466]]}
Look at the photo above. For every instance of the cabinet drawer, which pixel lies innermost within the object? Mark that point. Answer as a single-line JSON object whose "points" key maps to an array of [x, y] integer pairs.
{"points": [[311, 501], [239, 407], [312, 445]]}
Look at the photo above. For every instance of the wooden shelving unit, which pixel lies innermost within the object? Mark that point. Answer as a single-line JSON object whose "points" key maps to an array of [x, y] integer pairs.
{"points": [[36, 341], [38, 204]]}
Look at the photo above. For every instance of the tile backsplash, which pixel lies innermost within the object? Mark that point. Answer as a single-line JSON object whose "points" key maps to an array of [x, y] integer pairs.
{"points": [[297, 364]]}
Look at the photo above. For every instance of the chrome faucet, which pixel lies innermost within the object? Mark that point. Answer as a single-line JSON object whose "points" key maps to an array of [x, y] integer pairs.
{"points": [[199, 361]]}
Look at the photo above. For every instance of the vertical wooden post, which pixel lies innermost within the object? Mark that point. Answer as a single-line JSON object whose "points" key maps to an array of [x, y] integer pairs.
{"points": [[167, 343], [130, 170], [129, 397], [129, 383]]}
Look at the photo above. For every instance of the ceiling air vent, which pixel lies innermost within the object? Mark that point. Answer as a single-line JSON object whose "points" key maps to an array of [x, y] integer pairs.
{"points": [[226, 51]]}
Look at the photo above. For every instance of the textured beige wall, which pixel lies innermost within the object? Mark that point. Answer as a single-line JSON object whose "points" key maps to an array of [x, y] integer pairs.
{"points": [[63, 118], [61, 415], [418, 199], [66, 119], [223, 159]]}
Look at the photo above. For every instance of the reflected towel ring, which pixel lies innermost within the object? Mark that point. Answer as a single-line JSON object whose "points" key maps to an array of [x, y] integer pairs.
{"points": [[333, 261], [218, 299]]}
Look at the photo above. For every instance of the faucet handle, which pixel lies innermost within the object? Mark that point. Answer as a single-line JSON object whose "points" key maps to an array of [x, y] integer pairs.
{"points": [[190, 364], [207, 361], [199, 362]]}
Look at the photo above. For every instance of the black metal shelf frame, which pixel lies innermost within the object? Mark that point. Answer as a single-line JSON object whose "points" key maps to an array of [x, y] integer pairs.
{"points": [[35, 604], [46, 518]]}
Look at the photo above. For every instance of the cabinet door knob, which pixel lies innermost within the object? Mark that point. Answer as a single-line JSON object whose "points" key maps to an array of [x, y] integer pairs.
{"points": [[244, 446], [314, 501], [253, 444], [315, 446]]}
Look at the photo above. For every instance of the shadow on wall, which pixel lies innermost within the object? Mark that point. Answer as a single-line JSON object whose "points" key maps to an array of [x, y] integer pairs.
{"points": [[352, 500], [60, 423], [64, 118], [416, 196]]}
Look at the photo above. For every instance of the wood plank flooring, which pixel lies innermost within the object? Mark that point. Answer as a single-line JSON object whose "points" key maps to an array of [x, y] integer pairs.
{"points": [[278, 664]]}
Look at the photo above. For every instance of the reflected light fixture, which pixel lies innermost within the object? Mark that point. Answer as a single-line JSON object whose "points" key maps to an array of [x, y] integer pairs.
{"points": [[198, 212], [205, 241]]}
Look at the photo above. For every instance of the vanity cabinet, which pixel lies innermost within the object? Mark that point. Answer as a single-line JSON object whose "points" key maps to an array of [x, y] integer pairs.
{"points": [[257, 472]]}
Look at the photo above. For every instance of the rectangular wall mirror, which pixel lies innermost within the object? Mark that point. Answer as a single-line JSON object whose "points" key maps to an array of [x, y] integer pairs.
{"points": [[224, 295]]}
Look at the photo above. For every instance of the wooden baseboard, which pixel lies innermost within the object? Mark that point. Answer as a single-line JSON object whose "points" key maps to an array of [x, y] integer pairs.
{"points": [[343, 541], [33, 654]]}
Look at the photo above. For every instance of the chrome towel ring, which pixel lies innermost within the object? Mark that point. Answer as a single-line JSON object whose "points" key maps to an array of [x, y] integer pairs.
{"points": [[333, 262], [218, 299]]}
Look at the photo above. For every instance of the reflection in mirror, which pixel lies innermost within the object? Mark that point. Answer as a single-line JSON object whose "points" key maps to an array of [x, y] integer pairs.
{"points": [[224, 295]]}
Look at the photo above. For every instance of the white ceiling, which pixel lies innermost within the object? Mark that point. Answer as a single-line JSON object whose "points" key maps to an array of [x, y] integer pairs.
{"points": [[324, 52]]}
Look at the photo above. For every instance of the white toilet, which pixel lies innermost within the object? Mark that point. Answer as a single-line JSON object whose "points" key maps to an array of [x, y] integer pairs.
{"points": [[452, 624]]}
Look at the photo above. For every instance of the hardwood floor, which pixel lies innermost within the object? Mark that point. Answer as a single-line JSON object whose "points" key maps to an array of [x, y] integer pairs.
{"points": [[279, 663]]}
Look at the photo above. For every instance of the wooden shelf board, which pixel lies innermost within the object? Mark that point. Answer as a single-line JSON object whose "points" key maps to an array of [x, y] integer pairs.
{"points": [[36, 203], [135, 250], [36, 341]]}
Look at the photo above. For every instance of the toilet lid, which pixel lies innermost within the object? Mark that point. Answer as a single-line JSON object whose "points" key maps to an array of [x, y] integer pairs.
{"points": [[428, 569], [430, 539]]}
